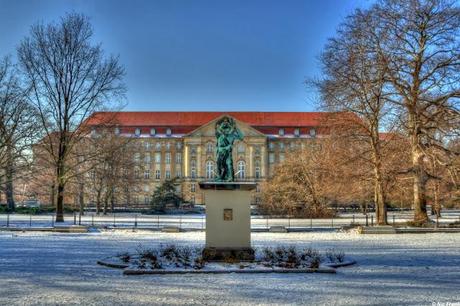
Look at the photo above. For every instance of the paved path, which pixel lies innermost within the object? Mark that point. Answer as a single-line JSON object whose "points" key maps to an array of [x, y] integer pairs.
{"points": [[56, 269]]}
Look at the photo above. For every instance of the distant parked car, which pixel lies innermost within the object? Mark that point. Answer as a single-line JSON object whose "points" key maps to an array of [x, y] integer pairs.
{"points": [[32, 203]]}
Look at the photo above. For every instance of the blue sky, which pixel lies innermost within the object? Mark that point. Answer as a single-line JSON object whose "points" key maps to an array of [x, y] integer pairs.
{"points": [[201, 54]]}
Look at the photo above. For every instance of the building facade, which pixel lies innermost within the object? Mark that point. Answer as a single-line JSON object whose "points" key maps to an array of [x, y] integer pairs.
{"points": [[181, 145]]}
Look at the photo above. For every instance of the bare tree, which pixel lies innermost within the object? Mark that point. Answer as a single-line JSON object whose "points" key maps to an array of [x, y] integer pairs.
{"points": [[422, 53], [112, 169], [17, 129], [298, 186], [70, 79], [354, 81]]}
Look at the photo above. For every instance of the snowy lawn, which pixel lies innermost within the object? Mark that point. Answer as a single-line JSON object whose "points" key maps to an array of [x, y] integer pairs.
{"points": [[47, 268]]}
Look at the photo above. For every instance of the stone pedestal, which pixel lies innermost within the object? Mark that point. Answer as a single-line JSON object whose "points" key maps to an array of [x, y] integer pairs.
{"points": [[228, 220]]}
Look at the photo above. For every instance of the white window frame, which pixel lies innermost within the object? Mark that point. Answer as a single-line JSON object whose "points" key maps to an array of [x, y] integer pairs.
{"points": [[241, 169], [209, 169], [168, 158]]}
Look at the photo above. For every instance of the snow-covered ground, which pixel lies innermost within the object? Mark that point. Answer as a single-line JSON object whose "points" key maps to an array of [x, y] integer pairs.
{"points": [[47, 268], [129, 220]]}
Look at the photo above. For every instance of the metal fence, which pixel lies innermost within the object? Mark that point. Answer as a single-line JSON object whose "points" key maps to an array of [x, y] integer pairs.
{"points": [[198, 222]]}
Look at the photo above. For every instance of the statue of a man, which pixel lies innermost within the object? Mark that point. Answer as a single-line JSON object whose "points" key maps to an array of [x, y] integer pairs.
{"points": [[226, 134]]}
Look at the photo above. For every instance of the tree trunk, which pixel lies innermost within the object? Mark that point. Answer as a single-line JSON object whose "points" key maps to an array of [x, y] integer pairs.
{"points": [[112, 201], [9, 184], [60, 191], [98, 202], [420, 180], [60, 202], [379, 192], [9, 191], [81, 198], [106, 205], [436, 204], [379, 198]]}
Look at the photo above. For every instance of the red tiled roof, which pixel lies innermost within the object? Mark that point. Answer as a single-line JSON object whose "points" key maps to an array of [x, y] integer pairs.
{"points": [[195, 119]]}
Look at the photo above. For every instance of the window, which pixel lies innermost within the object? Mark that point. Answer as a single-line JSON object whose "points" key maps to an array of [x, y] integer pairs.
{"points": [[193, 168], [117, 131], [297, 132], [193, 172], [192, 187], [136, 173], [281, 144], [209, 169], [168, 132], [257, 169], [157, 157], [147, 145], [241, 173], [241, 148], [281, 157], [167, 158], [146, 200], [271, 158], [178, 145], [168, 174], [136, 199], [271, 145], [178, 158], [292, 145], [157, 174], [158, 146], [281, 132], [257, 150], [312, 132], [147, 158], [168, 146], [146, 188], [152, 132], [137, 131], [146, 174], [178, 172], [193, 150], [137, 157], [209, 147]]}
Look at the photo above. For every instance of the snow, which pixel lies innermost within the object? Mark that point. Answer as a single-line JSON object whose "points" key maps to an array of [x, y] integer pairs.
{"points": [[38, 268]]}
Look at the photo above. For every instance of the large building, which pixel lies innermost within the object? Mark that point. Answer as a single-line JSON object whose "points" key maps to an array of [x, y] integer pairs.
{"points": [[182, 145]]}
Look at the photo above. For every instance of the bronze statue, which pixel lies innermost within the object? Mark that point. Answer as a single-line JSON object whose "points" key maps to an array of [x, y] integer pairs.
{"points": [[226, 134]]}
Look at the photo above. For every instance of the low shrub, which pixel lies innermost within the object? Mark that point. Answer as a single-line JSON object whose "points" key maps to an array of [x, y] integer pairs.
{"points": [[455, 224], [423, 224], [335, 256], [125, 257], [287, 257], [199, 263]]}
